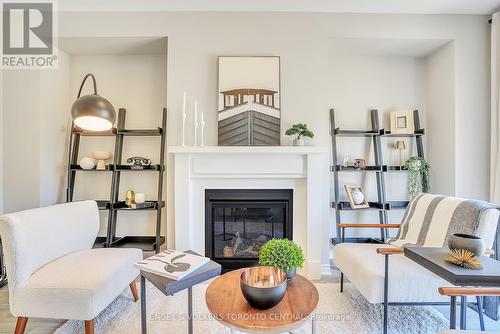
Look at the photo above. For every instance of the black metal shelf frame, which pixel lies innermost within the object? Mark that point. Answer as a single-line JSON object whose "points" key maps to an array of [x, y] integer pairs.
{"points": [[382, 205], [113, 205]]}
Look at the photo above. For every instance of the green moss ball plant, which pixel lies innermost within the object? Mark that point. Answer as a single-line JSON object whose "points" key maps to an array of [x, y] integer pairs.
{"points": [[283, 254]]}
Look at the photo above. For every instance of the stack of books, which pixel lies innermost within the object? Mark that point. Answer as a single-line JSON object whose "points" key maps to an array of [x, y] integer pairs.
{"points": [[172, 264]]}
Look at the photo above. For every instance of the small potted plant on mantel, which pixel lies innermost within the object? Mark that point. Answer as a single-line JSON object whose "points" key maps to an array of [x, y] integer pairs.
{"points": [[300, 130], [283, 254]]}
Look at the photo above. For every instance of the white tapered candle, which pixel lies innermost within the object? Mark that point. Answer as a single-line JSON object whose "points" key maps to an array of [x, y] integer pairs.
{"points": [[195, 122], [184, 116], [196, 111], [202, 129]]}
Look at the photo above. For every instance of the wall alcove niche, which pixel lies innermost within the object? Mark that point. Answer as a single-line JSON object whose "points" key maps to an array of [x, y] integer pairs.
{"points": [[391, 75], [131, 73]]}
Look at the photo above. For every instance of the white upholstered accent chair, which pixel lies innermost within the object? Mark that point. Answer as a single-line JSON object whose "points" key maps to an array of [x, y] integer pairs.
{"points": [[427, 223], [52, 269]]}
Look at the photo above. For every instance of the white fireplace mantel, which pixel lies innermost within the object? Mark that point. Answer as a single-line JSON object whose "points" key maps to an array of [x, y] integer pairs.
{"points": [[248, 149], [303, 169]]}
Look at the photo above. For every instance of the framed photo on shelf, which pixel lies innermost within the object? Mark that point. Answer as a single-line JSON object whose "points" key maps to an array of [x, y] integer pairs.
{"points": [[402, 122], [356, 197]]}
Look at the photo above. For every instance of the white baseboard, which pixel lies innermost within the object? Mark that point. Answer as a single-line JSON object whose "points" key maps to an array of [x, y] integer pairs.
{"points": [[325, 270]]}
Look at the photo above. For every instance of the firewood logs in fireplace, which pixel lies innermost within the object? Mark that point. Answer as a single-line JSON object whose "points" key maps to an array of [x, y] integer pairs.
{"points": [[237, 241], [241, 247], [227, 251]]}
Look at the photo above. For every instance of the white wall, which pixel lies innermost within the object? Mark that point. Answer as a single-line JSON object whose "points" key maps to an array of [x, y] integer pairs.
{"points": [[34, 133], [472, 124], [1, 141], [21, 140], [54, 106], [302, 41], [440, 111], [386, 83]]}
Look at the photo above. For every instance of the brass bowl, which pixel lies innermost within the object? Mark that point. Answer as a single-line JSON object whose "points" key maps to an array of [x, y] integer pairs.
{"points": [[263, 287]]}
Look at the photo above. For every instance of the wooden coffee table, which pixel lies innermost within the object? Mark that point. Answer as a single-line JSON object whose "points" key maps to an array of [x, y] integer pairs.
{"points": [[226, 303]]}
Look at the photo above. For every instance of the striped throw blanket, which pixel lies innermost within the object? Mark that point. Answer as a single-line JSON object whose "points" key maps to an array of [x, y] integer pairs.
{"points": [[429, 219]]}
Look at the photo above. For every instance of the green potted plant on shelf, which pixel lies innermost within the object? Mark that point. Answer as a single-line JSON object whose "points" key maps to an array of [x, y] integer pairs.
{"points": [[419, 176], [300, 130], [283, 254]]}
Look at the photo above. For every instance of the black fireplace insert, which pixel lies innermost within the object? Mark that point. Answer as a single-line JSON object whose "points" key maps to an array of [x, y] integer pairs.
{"points": [[239, 221]]}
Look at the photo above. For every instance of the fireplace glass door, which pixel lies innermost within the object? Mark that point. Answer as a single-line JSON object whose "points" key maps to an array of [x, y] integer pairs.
{"points": [[241, 228], [239, 221]]}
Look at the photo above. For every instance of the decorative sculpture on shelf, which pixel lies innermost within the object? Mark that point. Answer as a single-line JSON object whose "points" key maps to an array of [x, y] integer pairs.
{"points": [[130, 198], [101, 157], [139, 162], [87, 163]]}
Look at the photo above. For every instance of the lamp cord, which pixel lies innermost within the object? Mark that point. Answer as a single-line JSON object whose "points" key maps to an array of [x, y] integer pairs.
{"points": [[83, 83]]}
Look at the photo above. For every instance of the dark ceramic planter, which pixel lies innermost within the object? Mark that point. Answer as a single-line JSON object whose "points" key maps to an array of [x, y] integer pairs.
{"points": [[290, 274], [468, 242], [263, 287]]}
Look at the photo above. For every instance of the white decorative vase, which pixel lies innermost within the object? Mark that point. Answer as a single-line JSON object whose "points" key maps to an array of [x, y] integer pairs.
{"points": [[101, 157], [298, 142], [87, 163], [358, 197]]}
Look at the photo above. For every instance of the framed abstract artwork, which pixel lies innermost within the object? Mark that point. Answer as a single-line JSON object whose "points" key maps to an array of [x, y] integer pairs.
{"points": [[249, 101]]}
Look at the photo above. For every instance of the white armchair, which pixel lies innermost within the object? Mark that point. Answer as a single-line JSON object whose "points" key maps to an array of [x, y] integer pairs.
{"points": [[53, 270], [428, 221]]}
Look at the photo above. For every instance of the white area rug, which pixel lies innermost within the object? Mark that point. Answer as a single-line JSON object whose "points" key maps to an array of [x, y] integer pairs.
{"points": [[337, 312]]}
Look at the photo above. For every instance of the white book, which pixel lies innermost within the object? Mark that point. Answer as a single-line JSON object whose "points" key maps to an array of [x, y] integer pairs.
{"points": [[172, 264]]}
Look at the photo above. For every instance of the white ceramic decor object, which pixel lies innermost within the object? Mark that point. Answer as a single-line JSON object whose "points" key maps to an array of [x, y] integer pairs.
{"points": [[140, 198], [101, 157], [87, 163], [298, 142]]}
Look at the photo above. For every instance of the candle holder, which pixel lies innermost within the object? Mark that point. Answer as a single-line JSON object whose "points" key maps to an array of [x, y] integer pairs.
{"points": [[202, 133]]}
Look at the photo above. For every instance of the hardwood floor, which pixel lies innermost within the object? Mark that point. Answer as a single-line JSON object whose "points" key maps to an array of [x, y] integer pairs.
{"points": [[35, 326]]}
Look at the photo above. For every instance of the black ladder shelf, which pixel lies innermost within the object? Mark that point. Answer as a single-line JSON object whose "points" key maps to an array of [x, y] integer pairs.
{"points": [[382, 205], [113, 205]]}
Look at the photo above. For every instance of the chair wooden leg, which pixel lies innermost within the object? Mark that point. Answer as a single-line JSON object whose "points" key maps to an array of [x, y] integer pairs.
{"points": [[20, 325], [133, 288], [89, 326]]}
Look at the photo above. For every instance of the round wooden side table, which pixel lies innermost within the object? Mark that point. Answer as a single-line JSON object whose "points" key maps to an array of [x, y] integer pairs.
{"points": [[226, 303]]}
